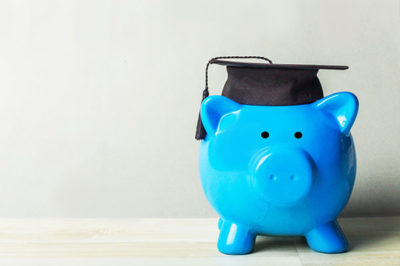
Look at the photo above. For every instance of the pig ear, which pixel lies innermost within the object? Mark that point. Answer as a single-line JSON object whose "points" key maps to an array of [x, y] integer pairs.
{"points": [[213, 109], [343, 106]]}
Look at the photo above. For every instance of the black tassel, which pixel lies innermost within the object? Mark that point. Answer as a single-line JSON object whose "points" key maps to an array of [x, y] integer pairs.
{"points": [[200, 131]]}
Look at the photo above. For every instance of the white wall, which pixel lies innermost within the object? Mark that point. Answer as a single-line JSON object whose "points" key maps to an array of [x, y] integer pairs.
{"points": [[99, 99]]}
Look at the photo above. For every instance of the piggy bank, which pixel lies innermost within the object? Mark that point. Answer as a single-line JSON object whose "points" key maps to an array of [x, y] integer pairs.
{"points": [[278, 170]]}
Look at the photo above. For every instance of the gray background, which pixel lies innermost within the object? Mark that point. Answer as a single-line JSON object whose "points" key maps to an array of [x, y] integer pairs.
{"points": [[99, 99]]}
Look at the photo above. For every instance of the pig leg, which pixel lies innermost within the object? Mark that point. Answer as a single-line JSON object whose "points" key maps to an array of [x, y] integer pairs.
{"points": [[327, 238], [234, 238], [220, 221]]}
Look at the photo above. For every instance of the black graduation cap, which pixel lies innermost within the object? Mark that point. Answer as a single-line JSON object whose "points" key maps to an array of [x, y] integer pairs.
{"points": [[267, 83]]}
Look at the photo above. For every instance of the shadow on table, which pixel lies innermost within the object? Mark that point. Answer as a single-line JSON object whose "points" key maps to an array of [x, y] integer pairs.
{"points": [[362, 233], [368, 232], [278, 243]]}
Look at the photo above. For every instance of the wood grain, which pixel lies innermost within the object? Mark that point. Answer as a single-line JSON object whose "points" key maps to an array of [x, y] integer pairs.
{"points": [[373, 241]]}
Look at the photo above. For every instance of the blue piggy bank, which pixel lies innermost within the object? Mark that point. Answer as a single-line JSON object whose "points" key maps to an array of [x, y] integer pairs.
{"points": [[279, 170]]}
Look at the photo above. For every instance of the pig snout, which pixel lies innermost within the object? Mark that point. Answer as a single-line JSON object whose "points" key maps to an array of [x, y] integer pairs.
{"points": [[283, 176]]}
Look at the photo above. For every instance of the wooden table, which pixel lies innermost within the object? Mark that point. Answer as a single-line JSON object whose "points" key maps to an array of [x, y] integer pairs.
{"points": [[373, 241]]}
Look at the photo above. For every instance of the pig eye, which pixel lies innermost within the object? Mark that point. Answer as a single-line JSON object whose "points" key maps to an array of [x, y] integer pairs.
{"points": [[298, 135], [264, 134]]}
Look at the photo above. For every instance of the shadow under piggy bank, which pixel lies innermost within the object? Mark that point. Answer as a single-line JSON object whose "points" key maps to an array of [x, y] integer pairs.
{"points": [[365, 234]]}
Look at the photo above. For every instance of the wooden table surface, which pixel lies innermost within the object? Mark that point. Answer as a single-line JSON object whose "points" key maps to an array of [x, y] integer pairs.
{"points": [[373, 241]]}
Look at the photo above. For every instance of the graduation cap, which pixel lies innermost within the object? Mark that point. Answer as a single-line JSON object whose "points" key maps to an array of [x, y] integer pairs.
{"points": [[267, 83]]}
